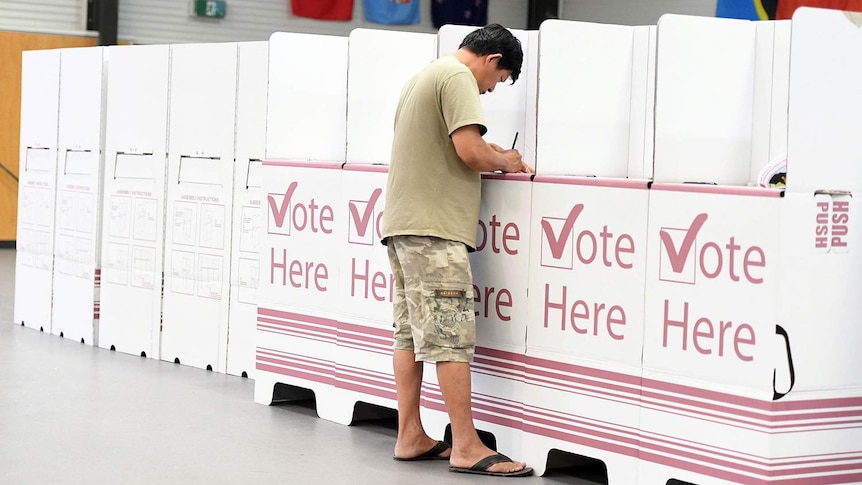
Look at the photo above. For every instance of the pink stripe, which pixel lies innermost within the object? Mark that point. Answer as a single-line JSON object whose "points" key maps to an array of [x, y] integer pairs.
{"points": [[490, 418], [310, 329], [373, 391], [572, 429], [766, 407], [513, 366], [718, 189], [593, 181], [365, 330], [551, 418], [585, 371], [570, 381], [365, 342], [327, 370], [807, 404], [356, 383], [631, 451], [490, 398], [285, 357], [844, 478], [301, 164], [755, 459], [297, 357], [555, 429], [512, 377], [361, 167], [328, 380], [329, 325], [501, 354], [283, 331], [573, 434], [519, 177], [740, 478], [515, 414], [387, 351], [383, 376], [698, 468]]}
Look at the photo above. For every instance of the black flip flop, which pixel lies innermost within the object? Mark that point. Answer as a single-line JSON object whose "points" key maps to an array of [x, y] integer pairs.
{"points": [[432, 454], [481, 467]]}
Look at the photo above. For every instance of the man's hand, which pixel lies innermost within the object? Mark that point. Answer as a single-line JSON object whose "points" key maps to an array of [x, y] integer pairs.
{"points": [[514, 162]]}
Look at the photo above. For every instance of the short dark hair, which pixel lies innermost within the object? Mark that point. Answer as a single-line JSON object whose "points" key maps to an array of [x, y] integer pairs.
{"points": [[496, 39]]}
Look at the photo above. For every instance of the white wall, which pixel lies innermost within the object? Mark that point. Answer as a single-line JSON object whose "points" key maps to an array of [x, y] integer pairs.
{"points": [[43, 15], [168, 21], [632, 12]]}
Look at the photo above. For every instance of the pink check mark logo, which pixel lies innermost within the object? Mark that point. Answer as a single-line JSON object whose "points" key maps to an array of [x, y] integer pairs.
{"points": [[558, 243], [361, 222], [279, 213], [679, 257]]}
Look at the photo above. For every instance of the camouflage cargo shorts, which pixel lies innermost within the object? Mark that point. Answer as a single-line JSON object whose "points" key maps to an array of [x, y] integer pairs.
{"points": [[433, 307]]}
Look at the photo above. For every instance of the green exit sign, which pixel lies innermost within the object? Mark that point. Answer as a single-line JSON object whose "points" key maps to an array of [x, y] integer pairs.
{"points": [[211, 8]]}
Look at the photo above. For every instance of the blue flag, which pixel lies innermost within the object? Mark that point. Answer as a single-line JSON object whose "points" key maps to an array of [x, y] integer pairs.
{"points": [[459, 12], [746, 9], [392, 12]]}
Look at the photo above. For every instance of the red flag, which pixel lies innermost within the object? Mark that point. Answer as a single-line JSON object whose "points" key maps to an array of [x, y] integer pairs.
{"points": [[323, 9], [787, 7]]}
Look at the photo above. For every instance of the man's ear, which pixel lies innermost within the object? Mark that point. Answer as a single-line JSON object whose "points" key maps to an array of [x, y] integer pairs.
{"points": [[491, 57]]}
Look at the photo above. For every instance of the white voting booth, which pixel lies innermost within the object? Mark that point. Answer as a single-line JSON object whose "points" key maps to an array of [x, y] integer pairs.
{"points": [[40, 94], [363, 371], [707, 331], [247, 208], [78, 222], [133, 211], [375, 83], [199, 204], [749, 367], [298, 300], [587, 245]]}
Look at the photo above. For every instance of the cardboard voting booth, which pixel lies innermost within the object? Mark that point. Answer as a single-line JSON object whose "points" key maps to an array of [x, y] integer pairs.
{"points": [[247, 207], [587, 245], [594, 99], [748, 372], [37, 188], [363, 364], [199, 204], [585, 333], [78, 221], [305, 114], [721, 136], [375, 84], [136, 127], [364, 361], [298, 300]]}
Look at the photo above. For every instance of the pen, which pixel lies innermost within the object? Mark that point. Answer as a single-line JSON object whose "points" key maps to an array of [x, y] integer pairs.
{"points": [[515, 140]]}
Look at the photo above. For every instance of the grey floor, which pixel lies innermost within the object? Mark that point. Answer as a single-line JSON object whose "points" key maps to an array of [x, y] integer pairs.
{"points": [[71, 413]]}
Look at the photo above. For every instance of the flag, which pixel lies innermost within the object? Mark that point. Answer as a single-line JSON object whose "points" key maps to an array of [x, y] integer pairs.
{"points": [[459, 12], [787, 7], [392, 12], [746, 9], [323, 9]]}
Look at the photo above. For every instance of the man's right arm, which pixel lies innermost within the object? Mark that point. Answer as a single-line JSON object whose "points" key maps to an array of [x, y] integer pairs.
{"points": [[482, 157]]}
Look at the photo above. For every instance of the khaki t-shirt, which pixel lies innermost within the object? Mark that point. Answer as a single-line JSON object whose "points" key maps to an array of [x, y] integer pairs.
{"points": [[431, 191]]}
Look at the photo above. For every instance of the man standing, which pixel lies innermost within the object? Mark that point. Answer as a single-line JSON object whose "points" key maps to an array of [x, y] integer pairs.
{"points": [[429, 225]]}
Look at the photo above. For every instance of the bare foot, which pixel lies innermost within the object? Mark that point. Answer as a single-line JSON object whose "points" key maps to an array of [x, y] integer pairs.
{"points": [[467, 458], [423, 448]]}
